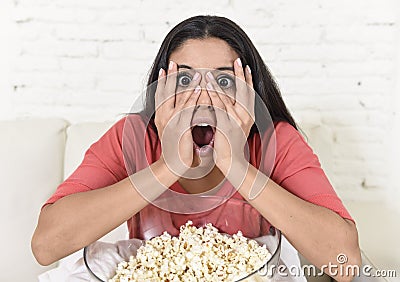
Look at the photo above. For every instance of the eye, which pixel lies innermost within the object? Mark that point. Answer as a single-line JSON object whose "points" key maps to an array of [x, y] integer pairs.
{"points": [[225, 81], [184, 79]]}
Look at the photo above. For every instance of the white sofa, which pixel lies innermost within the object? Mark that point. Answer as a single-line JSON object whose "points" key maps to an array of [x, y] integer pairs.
{"points": [[37, 154]]}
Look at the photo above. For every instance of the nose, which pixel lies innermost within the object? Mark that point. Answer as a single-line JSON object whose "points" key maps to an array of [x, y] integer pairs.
{"points": [[204, 98]]}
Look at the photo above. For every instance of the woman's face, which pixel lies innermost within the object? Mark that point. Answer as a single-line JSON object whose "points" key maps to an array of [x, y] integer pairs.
{"points": [[203, 55]]}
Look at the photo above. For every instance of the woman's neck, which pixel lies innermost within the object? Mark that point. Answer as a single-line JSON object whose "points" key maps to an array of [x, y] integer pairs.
{"points": [[203, 184]]}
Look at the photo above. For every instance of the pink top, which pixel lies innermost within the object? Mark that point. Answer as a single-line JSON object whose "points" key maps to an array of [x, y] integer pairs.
{"points": [[295, 168]]}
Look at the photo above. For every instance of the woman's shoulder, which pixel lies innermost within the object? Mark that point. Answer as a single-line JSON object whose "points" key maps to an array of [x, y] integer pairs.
{"points": [[130, 122], [287, 134], [135, 119], [291, 145], [126, 128], [282, 132], [285, 128], [285, 140]]}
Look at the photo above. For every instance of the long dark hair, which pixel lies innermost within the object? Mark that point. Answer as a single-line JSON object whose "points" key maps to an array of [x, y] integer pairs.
{"points": [[202, 27]]}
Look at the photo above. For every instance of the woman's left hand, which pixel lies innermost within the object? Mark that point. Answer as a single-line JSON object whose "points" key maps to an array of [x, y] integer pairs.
{"points": [[235, 117]]}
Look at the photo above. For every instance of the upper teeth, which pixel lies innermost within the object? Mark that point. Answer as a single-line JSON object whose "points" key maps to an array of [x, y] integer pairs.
{"points": [[203, 124]]}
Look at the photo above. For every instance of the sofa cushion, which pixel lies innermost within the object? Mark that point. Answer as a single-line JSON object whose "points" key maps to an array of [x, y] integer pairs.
{"points": [[31, 166]]}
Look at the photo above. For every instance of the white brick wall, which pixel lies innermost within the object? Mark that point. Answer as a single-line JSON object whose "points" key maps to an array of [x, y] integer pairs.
{"points": [[334, 61], [393, 140]]}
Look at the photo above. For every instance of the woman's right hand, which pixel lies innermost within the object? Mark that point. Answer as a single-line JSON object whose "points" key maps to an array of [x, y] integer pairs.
{"points": [[173, 115]]}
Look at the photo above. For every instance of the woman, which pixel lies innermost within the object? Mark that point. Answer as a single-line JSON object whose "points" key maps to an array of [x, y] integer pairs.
{"points": [[198, 61]]}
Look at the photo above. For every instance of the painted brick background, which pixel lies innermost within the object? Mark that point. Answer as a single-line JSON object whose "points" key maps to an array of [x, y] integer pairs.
{"points": [[335, 62]]}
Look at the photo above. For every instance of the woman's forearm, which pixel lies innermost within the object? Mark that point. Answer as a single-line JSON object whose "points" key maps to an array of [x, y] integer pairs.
{"points": [[316, 232], [80, 219]]}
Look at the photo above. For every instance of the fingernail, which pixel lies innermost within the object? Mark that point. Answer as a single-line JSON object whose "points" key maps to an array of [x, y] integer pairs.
{"points": [[209, 75], [160, 72], [248, 68], [171, 65], [209, 86], [239, 62], [196, 76], [197, 89]]}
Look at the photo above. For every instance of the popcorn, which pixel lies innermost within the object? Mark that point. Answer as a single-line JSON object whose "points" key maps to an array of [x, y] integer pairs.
{"points": [[198, 254]]}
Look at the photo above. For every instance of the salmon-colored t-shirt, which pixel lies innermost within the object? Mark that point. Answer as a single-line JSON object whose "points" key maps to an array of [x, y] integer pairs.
{"points": [[131, 145]]}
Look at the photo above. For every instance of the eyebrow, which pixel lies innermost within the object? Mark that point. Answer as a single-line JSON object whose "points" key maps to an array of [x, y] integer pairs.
{"points": [[220, 68]]}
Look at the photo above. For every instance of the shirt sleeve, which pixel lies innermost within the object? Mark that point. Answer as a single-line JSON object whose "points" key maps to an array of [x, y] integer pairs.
{"points": [[298, 170], [102, 166]]}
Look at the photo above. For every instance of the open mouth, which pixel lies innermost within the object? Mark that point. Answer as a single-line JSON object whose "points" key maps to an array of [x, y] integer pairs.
{"points": [[203, 137]]}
